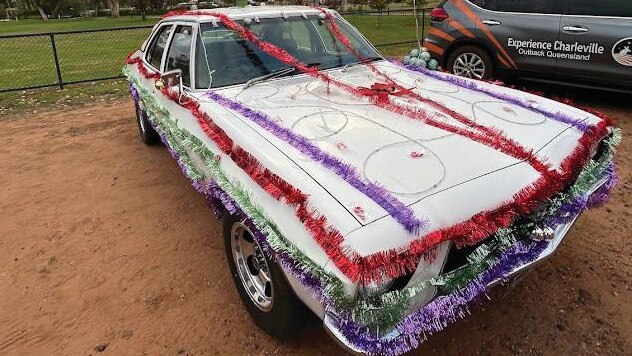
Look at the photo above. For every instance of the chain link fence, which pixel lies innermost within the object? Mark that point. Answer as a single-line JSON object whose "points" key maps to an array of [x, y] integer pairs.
{"points": [[62, 58], [57, 59]]}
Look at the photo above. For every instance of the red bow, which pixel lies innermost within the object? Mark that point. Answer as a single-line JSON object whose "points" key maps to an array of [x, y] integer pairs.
{"points": [[382, 90]]}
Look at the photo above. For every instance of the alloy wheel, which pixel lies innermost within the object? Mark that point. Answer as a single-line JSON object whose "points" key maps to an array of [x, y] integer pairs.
{"points": [[469, 65], [252, 267]]}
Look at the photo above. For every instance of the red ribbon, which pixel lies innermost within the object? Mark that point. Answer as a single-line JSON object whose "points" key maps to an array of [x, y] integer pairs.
{"points": [[381, 91]]}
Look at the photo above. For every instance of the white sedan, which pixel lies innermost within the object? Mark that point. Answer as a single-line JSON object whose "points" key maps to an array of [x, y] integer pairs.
{"points": [[383, 198]]}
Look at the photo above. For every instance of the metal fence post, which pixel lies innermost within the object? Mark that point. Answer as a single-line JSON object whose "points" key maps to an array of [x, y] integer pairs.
{"points": [[423, 23], [60, 82]]}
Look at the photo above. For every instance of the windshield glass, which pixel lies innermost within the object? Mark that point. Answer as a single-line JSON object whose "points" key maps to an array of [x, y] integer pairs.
{"points": [[224, 58]]}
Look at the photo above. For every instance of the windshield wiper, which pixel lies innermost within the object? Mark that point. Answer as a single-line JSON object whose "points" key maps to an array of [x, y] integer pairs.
{"points": [[371, 59], [363, 61], [272, 75]]}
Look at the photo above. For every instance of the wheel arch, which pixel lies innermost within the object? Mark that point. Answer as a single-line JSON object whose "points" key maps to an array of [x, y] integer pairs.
{"points": [[468, 42]]}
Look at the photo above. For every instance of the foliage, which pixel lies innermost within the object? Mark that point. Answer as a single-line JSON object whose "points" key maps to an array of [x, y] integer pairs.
{"points": [[379, 5]]}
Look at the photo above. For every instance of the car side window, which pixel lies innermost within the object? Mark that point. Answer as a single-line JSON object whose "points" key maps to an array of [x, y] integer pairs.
{"points": [[157, 47], [616, 8], [520, 6], [179, 54]]}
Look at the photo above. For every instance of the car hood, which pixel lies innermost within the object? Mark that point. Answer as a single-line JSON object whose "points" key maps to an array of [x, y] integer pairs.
{"points": [[444, 177]]}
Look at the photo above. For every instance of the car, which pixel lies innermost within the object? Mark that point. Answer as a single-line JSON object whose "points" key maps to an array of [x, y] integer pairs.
{"points": [[577, 42], [382, 198]]}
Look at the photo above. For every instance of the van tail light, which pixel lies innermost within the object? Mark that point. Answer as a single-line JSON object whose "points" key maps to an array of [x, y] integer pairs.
{"points": [[438, 14]]}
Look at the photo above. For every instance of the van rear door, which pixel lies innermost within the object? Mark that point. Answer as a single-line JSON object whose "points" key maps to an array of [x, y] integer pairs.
{"points": [[596, 41]]}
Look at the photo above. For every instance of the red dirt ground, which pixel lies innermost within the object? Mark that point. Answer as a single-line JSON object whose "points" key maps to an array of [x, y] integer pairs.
{"points": [[106, 248]]}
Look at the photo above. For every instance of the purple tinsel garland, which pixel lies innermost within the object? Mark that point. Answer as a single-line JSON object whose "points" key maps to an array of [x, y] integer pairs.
{"points": [[424, 321], [570, 210], [134, 93], [398, 210], [417, 326], [472, 85], [442, 311], [432, 318], [602, 194]]}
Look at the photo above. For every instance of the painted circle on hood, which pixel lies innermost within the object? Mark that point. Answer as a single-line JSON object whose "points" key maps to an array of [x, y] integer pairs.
{"points": [[363, 79], [256, 94], [405, 168], [433, 85], [508, 112], [388, 70], [322, 124]]}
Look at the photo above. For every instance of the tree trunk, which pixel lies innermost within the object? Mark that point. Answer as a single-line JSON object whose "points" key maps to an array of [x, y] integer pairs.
{"points": [[42, 13], [115, 7]]}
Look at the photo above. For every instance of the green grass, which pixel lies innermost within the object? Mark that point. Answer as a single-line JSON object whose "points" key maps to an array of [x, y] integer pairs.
{"points": [[32, 101], [387, 29], [28, 61], [40, 26]]}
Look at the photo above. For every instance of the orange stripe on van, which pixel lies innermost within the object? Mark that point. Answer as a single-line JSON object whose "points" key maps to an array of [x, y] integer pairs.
{"points": [[503, 61], [433, 48], [468, 12], [460, 28], [441, 34]]}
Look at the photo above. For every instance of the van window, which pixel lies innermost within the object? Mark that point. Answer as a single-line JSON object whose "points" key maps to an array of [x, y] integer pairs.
{"points": [[180, 53], [522, 6], [157, 48], [618, 8]]}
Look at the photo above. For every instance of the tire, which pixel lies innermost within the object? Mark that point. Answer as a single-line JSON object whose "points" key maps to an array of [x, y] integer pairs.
{"points": [[285, 316], [147, 134], [468, 61]]}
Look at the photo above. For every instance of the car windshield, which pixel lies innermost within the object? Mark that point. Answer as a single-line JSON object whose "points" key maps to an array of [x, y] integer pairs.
{"points": [[224, 58]]}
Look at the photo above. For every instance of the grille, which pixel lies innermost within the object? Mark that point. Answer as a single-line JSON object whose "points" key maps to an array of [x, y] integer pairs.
{"points": [[457, 257]]}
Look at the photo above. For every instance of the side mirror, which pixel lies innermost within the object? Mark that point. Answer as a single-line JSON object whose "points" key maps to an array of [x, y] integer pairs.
{"points": [[170, 79]]}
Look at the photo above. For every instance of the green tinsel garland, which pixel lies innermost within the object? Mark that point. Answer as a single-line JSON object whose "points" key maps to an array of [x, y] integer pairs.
{"points": [[384, 311]]}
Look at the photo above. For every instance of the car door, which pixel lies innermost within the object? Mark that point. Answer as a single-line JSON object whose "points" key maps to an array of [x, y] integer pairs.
{"points": [[597, 41], [522, 31]]}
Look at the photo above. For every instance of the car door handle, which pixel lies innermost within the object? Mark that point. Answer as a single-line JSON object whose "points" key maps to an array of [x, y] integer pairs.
{"points": [[491, 22], [575, 29]]}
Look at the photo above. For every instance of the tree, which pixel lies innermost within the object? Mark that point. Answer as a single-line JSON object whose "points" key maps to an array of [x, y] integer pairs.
{"points": [[53, 7], [115, 8], [141, 6], [379, 5]]}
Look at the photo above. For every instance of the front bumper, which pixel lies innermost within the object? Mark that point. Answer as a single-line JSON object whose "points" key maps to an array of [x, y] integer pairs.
{"points": [[337, 329]]}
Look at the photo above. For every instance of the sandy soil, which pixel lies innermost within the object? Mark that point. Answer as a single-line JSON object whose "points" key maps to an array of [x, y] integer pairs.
{"points": [[106, 248]]}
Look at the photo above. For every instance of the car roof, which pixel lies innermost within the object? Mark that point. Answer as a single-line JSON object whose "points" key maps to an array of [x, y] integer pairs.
{"points": [[244, 12]]}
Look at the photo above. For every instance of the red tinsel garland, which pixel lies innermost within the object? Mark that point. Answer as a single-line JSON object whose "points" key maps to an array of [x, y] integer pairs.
{"points": [[489, 136], [495, 136], [397, 262], [324, 234], [484, 224]]}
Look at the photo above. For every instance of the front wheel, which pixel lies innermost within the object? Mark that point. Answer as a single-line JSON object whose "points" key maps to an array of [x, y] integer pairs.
{"points": [[260, 282], [471, 62]]}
